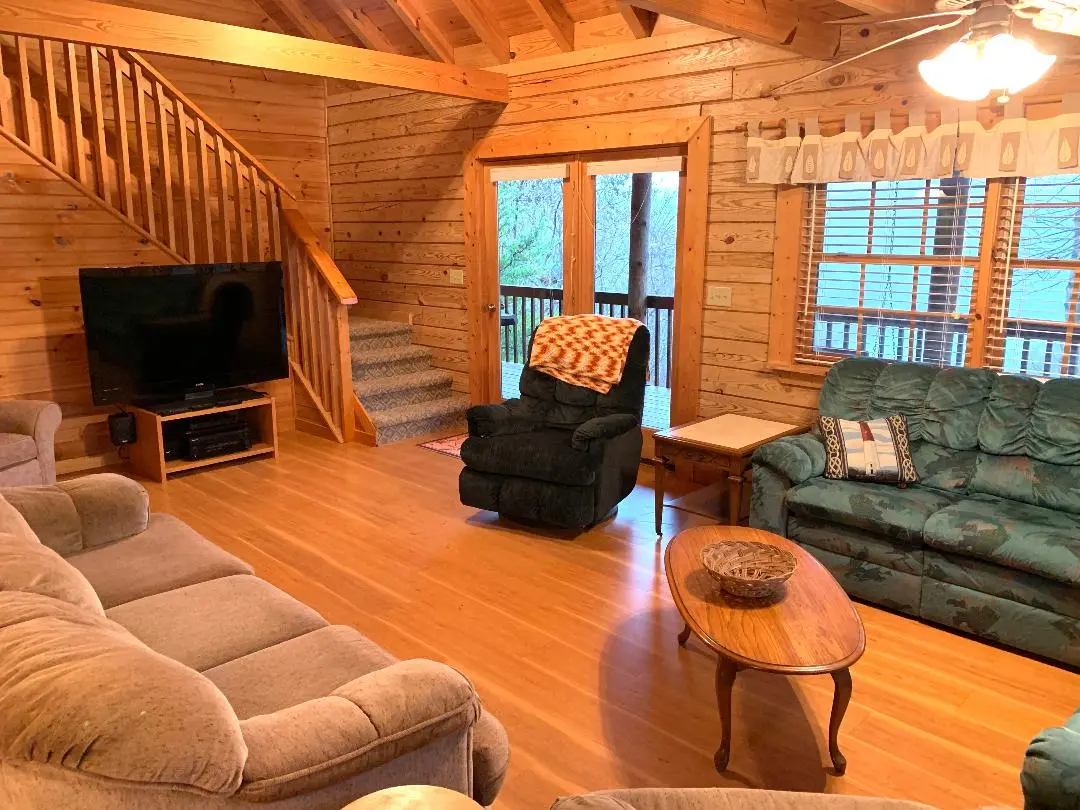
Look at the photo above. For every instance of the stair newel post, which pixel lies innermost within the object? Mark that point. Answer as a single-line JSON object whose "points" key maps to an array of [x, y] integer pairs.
{"points": [[343, 374], [74, 112]]}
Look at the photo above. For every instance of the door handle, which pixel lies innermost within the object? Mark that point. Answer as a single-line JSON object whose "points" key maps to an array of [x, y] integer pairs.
{"points": [[491, 307]]}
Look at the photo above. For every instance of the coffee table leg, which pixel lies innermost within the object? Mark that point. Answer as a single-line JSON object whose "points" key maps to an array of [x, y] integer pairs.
{"points": [[684, 636], [725, 679], [841, 698], [659, 480]]}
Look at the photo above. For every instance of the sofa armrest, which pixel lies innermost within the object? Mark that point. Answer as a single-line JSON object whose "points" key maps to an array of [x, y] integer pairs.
{"points": [[38, 419], [499, 420], [82, 513], [797, 458], [362, 725], [1051, 774], [603, 427]]}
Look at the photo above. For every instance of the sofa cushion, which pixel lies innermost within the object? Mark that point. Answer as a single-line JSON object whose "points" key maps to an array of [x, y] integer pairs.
{"points": [[209, 623], [168, 555], [80, 693], [12, 522], [303, 668], [942, 467], [1020, 478], [543, 455], [1012, 534], [16, 449], [899, 513], [26, 565]]}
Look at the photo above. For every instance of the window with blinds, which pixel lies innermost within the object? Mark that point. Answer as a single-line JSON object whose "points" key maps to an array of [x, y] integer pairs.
{"points": [[1035, 288], [888, 270]]}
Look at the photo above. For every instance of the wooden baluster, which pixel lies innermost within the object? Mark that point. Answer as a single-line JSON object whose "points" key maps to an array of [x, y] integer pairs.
{"points": [[307, 319], [98, 150], [273, 219], [183, 168], [7, 97], [224, 226], [120, 125], [74, 112], [50, 109], [257, 253], [238, 206], [31, 129], [202, 169], [165, 166], [142, 139]]}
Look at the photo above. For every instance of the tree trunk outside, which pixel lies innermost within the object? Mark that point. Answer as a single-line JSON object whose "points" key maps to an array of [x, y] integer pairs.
{"points": [[640, 210]]}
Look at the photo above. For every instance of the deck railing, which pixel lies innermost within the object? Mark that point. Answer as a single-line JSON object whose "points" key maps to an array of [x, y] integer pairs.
{"points": [[522, 309]]}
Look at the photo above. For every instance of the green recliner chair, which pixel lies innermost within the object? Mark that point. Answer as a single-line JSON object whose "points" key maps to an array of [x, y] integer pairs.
{"points": [[1051, 775]]}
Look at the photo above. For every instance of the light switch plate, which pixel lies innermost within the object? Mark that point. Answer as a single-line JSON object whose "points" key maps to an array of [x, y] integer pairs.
{"points": [[716, 296], [456, 275]]}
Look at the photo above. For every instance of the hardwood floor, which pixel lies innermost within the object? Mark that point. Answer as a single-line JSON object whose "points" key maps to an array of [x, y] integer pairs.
{"points": [[572, 643]]}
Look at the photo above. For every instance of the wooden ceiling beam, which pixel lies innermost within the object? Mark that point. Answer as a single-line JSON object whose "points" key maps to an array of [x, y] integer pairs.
{"points": [[360, 26], [486, 27], [556, 21], [640, 22], [888, 7], [95, 23], [301, 18], [774, 22], [431, 39]]}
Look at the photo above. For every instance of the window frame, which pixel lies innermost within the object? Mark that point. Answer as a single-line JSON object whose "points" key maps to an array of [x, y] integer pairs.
{"points": [[792, 204]]}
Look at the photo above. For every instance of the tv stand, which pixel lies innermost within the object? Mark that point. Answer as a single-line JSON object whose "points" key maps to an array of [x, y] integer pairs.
{"points": [[148, 452], [201, 401]]}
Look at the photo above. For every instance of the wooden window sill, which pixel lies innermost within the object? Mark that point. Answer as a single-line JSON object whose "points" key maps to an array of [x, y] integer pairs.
{"points": [[798, 369]]}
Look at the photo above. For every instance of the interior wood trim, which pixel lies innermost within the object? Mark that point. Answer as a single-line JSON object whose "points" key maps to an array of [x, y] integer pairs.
{"points": [[572, 137], [537, 171], [790, 210], [95, 23], [675, 163]]}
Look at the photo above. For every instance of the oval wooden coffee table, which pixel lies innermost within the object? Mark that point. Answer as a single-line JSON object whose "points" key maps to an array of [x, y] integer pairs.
{"points": [[810, 628]]}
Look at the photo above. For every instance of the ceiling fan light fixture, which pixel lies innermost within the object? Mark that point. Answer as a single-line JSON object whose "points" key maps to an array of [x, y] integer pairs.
{"points": [[972, 68]]}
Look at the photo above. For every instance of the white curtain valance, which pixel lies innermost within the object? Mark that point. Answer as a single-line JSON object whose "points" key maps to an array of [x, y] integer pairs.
{"points": [[959, 144]]}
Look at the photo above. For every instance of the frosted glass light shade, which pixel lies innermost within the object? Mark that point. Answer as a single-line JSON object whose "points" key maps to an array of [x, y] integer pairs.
{"points": [[971, 69]]}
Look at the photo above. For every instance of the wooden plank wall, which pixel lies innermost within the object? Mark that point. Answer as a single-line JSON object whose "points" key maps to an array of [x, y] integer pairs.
{"points": [[48, 231], [396, 180]]}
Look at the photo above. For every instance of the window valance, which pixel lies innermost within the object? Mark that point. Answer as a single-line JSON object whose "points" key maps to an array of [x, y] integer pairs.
{"points": [[958, 146]]}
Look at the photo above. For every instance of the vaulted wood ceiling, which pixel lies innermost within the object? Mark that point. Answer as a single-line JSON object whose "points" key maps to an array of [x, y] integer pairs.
{"points": [[488, 32]]}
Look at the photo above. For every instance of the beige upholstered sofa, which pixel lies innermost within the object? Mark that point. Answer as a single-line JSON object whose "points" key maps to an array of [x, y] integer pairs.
{"points": [[27, 430], [143, 667], [725, 799]]}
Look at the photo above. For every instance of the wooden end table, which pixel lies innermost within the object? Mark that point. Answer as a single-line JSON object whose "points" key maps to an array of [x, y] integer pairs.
{"points": [[726, 442], [810, 628]]}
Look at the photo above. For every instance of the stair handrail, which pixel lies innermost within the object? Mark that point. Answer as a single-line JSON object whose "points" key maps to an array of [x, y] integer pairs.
{"points": [[322, 261]]}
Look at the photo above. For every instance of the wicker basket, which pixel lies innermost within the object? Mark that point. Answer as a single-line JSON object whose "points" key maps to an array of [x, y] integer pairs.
{"points": [[747, 568]]}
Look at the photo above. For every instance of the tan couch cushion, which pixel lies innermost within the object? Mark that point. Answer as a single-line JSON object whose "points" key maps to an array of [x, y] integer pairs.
{"points": [[78, 692], [303, 668], [16, 449], [26, 565], [207, 624], [168, 555], [12, 522]]}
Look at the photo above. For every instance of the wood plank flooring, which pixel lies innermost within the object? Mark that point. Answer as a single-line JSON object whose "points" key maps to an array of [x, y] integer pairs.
{"points": [[572, 642]]}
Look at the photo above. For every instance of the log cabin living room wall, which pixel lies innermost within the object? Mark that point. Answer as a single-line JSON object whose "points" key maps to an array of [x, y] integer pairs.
{"points": [[49, 230], [396, 162]]}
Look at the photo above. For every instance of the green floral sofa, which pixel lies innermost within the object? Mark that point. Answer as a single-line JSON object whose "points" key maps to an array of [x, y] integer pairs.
{"points": [[988, 542]]}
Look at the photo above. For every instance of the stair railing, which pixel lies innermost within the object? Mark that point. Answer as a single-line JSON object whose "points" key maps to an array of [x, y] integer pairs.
{"points": [[318, 297], [112, 126]]}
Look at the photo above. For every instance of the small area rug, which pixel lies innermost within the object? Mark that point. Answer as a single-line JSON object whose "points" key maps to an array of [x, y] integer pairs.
{"points": [[448, 446]]}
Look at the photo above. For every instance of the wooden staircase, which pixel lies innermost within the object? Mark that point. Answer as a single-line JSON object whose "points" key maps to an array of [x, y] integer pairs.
{"points": [[108, 123]]}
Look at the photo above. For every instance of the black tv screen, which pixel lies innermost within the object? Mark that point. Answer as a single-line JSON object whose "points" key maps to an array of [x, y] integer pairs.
{"points": [[156, 334]]}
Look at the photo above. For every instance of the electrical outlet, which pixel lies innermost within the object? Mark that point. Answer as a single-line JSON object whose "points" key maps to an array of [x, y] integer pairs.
{"points": [[456, 275], [718, 296]]}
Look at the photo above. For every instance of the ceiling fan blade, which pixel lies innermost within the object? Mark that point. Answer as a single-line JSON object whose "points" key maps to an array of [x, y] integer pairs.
{"points": [[962, 12], [906, 38]]}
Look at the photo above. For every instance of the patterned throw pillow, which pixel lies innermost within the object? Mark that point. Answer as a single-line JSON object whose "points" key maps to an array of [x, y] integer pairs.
{"points": [[877, 450]]}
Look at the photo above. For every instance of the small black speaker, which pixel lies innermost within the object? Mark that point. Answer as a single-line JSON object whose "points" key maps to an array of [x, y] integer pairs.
{"points": [[122, 429]]}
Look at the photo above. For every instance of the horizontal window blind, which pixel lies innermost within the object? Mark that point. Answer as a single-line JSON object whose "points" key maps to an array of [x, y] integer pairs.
{"points": [[888, 270], [1033, 324]]}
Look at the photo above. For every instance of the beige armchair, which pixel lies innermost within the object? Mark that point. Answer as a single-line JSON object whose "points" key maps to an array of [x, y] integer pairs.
{"points": [[27, 430]]}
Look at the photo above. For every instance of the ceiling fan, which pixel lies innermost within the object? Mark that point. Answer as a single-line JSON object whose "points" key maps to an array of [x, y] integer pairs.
{"points": [[987, 58]]}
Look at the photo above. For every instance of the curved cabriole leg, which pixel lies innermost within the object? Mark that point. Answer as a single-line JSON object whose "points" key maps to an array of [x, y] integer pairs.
{"points": [[684, 636], [841, 698], [725, 679]]}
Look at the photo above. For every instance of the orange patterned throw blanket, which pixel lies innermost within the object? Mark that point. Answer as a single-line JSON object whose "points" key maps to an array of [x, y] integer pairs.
{"points": [[585, 350]]}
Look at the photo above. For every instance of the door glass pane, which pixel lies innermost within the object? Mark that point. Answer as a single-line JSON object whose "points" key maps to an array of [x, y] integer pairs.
{"points": [[530, 215], [637, 219]]}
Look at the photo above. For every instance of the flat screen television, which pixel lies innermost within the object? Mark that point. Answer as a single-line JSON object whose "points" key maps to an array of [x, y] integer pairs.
{"points": [[163, 334]]}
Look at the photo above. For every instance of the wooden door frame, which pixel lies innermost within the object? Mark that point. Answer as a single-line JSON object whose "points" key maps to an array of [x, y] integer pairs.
{"points": [[694, 135]]}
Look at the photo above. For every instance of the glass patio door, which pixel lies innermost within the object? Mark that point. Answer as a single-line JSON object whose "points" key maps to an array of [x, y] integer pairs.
{"points": [[529, 207]]}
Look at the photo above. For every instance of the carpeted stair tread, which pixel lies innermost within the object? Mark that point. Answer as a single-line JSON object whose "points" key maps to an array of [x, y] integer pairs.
{"points": [[370, 327], [401, 382], [451, 406], [389, 361]]}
